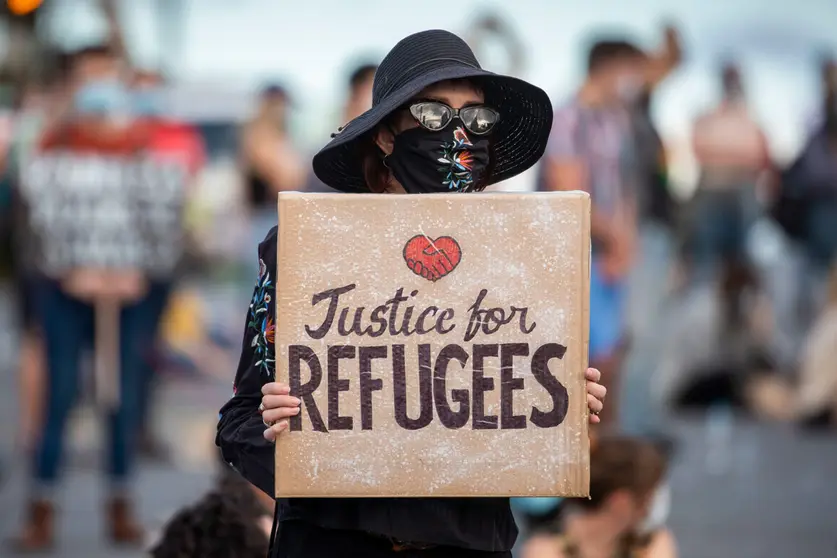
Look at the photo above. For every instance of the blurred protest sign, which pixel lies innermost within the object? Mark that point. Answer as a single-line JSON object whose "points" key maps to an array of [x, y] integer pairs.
{"points": [[104, 224], [438, 344], [104, 211]]}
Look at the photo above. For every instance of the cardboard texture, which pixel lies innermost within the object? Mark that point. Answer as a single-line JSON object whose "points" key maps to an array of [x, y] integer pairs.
{"points": [[475, 386]]}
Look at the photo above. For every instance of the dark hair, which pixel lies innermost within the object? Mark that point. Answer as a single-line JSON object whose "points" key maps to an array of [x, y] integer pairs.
{"points": [[608, 51], [730, 77], [220, 525], [360, 74], [93, 51], [273, 90], [623, 463]]}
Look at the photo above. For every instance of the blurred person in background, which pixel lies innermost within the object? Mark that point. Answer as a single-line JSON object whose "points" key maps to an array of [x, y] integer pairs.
{"points": [[816, 398], [819, 181], [626, 513], [591, 149], [417, 108], [358, 101], [271, 162], [98, 123], [732, 153], [232, 520], [39, 105], [178, 142], [359, 98], [806, 209], [650, 278]]}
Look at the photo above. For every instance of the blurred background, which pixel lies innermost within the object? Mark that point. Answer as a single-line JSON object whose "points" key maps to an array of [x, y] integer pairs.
{"points": [[729, 359]]}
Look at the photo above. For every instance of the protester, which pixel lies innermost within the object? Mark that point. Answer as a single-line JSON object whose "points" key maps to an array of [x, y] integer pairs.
{"points": [[732, 153], [650, 279], [179, 143], [96, 135], [816, 398], [590, 149], [31, 116], [428, 90], [358, 101], [40, 105], [626, 513], [271, 162]]}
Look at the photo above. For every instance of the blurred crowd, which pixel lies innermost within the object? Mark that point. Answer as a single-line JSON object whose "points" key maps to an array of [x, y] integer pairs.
{"points": [[727, 299]]}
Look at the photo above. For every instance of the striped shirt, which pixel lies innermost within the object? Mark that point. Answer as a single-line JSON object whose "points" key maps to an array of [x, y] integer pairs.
{"points": [[602, 140]]}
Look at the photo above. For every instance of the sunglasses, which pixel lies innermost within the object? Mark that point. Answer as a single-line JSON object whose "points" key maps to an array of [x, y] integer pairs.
{"points": [[435, 116]]}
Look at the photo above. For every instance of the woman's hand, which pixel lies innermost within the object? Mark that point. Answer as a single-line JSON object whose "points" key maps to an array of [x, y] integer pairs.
{"points": [[595, 394], [276, 406]]}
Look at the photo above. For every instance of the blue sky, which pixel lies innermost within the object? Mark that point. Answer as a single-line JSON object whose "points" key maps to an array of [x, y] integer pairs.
{"points": [[239, 44]]}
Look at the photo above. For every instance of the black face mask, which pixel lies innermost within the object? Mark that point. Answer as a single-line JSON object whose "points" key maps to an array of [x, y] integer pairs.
{"points": [[449, 160]]}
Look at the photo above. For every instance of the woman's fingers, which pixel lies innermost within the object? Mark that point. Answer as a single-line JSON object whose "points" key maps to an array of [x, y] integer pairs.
{"points": [[276, 401], [275, 388], [272, 432], [592, 375], [598, 391], [595, 405], [273, 415]]}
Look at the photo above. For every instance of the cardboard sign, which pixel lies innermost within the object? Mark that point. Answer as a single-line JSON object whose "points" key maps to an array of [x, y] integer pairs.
{"points": [[105, 211], [438, 344]]}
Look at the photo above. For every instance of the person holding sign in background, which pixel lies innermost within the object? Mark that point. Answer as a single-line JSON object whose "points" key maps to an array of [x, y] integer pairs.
{"points": [[106, 215], [428, 92]]}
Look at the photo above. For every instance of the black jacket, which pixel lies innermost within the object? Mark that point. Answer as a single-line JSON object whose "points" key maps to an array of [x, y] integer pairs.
{"points": [[474, 523]]}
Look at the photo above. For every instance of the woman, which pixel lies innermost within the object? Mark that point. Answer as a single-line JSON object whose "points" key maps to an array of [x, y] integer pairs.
{"points": [[271, 163], [428, 91], [626, 512]]}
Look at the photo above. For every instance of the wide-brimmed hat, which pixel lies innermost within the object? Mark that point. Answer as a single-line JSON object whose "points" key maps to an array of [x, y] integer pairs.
{"points": [[519, 138]]}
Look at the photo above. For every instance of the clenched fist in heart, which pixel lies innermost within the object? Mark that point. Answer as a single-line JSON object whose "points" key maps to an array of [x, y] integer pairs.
{"points": [[432, 259]]}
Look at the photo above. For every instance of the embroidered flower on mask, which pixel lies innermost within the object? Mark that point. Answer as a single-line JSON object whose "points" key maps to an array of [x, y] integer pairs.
{"points": [[458, 162]]}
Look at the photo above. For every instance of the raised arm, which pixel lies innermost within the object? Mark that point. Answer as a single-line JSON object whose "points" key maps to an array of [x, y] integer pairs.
{"points": [[240, 427]]}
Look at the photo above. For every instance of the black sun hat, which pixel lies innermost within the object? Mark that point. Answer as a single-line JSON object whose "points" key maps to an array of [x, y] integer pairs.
{"points": [[519, 138]]}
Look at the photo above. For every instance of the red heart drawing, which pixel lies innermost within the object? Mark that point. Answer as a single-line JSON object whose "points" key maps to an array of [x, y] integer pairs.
{"points": [[432, 259]]}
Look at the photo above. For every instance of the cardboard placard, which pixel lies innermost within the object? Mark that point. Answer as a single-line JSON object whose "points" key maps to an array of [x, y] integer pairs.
{"points": [[438, 344]]}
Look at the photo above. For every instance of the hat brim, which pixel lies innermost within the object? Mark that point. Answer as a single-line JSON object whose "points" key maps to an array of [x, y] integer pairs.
{"points": [[519, 138]]}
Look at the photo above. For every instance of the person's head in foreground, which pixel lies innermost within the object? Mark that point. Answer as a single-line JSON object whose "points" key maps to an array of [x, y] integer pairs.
{"points": [[228, 522], [438, 123], [626, 511]]}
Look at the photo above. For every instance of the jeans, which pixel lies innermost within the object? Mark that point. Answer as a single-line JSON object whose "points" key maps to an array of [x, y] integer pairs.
{"points": [[821, 241], [155, 304], [721, 220], [607, 321], [640, 406], [68, 328]]}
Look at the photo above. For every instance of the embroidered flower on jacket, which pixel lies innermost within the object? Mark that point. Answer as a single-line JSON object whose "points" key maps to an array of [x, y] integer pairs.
{"points": [[260, 323]]}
